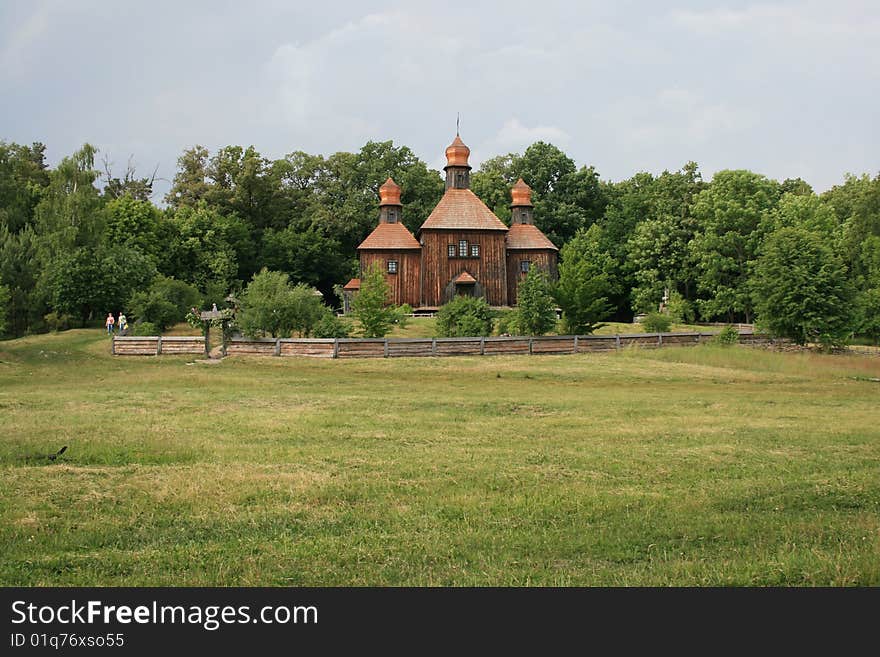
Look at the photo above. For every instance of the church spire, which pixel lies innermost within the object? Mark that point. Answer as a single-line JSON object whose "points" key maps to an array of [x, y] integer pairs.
{"points": [[458, 171]]}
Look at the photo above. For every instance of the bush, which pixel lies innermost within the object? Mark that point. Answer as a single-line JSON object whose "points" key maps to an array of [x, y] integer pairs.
{"points": [[370, 304], [145, 328], [58, 321], [536, 309], [271, 305], [165, 303], [657, 323], [464, 317], [505, 322], [331, 326], [680, 309], [727, 336]]}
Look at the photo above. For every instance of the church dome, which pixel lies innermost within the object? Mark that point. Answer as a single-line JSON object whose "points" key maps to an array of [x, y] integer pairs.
{"points": [[457, 153], [389, 193], [521, 194]]}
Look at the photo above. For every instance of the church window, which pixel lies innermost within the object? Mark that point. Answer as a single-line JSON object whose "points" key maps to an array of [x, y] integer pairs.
{"points": [[392, 266], [475, 250], [524, 266], [451, 251], [462, 249], [392, 217]]}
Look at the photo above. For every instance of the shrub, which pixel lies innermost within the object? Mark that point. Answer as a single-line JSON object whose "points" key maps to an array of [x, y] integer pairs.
{"points": [[657, 323], [271, 305], [464, 317], [145, 328], [58, 321], [331, 326], [727, 336], [680, 309], [370, 304], [165, 303], [536, 309], [505, 322]]}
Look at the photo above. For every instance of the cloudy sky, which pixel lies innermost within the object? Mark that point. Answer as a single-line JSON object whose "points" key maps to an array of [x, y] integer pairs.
{"points": [[786, 88]]}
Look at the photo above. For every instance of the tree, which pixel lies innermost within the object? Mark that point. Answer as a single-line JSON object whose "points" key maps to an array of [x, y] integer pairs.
{"points": [[801, 289], [464, 317], [89, 282], [731, 213], [5, 297], [657, 248], [207, 247], [307, 256], [583, 287], [536, 311], [190, 182], [370, 304], [138, 224]]}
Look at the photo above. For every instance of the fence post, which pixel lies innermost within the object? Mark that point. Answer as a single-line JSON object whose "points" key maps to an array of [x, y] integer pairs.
{"points": [[530, 346], [575, 345], [433, 346], [385, 355], [659, 339], [482, 346], [335, 347], [277, 346], [617, 341], [159, 345], [113, 346]]}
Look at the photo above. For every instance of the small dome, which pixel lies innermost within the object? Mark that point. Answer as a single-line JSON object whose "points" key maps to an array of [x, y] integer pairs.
{"points": [[521, 193], [389, 193], [457, 153]]}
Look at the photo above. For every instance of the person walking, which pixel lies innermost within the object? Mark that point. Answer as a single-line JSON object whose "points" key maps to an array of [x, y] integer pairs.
{"points": [[109, 323], [123, 324]]}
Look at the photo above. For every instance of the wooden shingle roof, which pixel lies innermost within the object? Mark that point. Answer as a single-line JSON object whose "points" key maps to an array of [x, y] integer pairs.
{"points": [[464, 277], [527, 236], [390, 236], [462, 209]]}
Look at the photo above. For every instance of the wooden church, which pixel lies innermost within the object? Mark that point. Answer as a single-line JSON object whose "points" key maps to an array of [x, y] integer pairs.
{"points": [[461, 248]]}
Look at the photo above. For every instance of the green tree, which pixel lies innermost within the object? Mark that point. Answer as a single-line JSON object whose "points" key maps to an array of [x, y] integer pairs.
{"points": [[307, 256], [266, 305], [536, 310], [190, 183], [801, 289], [731, 213], [23, 177], [138, 224], [582, 289], [657, 249], [464, 316], [370, 305], [90, 282], [5, 298], [207, 246]]}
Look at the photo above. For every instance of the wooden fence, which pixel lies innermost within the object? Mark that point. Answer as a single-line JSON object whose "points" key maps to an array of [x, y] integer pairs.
{"points": [[135, 345], [419, 347]]}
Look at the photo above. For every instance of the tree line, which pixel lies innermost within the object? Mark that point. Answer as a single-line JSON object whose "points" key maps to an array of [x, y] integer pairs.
{"points": [[77, 242]]}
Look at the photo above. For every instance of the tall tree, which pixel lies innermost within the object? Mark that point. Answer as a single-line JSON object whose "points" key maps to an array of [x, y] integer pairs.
{"points": [[801, 289], [583, 287], [730, 212]]}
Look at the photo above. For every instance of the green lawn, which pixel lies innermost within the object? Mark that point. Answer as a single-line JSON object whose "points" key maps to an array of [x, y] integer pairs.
{"points": [[682, 466]]}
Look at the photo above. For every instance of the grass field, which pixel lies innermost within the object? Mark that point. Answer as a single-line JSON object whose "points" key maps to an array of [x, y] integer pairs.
{"points": [[697, 466]]}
